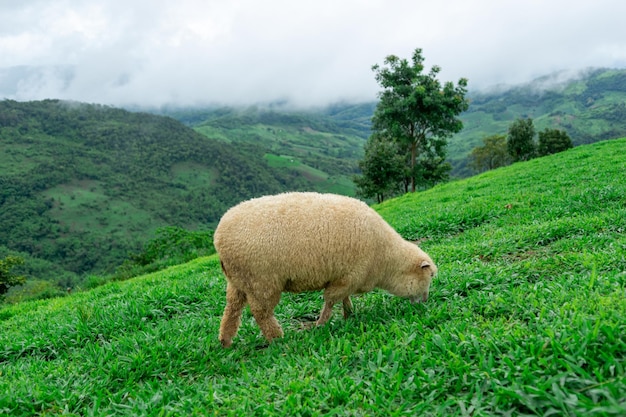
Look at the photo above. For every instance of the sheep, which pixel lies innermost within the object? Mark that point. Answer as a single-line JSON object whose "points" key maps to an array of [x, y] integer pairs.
{"points": [[306, 241]]}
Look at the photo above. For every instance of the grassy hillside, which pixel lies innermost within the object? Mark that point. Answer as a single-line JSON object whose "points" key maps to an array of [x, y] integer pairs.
{"points": [[526, 317]]}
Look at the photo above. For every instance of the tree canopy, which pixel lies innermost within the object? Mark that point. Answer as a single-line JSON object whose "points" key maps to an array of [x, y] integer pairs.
{"points": [[383, 168], [493, 154], [8, 278], [518, 145], [419, 114], [521, 139], [553, 141]]}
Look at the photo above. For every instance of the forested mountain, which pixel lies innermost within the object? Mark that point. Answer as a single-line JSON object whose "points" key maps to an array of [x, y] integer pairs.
{"points": [[589, 107], [324, 144], [82, 185]]}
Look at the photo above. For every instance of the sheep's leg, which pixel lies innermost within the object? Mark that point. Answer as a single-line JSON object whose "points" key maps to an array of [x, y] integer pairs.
{"points": [[231, 320], [347, 307], [326, 313], [332, 295], [263, 312]]}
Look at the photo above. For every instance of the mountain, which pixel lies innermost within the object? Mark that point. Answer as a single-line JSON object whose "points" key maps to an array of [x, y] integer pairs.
{"points": [[527, 316], [82, 185], [590, 106], [323, 144]]}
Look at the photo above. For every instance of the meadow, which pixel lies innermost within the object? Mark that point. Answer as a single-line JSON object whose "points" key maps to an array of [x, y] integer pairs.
{"points": [[526, 317]]}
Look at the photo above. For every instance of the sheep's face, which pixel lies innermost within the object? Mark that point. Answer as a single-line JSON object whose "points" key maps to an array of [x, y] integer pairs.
{"points": [[415, 283]]}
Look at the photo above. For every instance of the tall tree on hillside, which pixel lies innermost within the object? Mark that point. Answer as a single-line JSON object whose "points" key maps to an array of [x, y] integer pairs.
{"points": [[493, 154], [418, 113], [521, 140], [383, 170], [553, 141]]}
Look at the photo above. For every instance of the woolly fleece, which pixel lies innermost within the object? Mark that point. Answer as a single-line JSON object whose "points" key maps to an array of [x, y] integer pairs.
{"points": [[306, 242]]}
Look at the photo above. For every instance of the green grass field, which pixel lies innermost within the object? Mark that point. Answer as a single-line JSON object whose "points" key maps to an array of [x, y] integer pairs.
{"points": [[526, 317]]}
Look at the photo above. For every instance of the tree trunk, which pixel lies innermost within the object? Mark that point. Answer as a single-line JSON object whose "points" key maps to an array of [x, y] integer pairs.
{"points": [[413, 156]]}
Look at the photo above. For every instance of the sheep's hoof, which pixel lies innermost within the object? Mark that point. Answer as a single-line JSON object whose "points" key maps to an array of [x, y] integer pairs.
{"points": [[308, 325], [226, 343], [307, 318]]}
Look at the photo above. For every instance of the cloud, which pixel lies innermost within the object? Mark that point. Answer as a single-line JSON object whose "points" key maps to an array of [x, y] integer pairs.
{"points": [[307, 52]]}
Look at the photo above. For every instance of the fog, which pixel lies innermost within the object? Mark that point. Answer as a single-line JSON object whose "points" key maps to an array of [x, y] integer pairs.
{"points": [[194, 52]]}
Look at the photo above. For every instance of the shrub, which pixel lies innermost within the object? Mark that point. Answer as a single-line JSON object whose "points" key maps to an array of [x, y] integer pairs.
{"points": [[9, 279], [172, 246], [553, 141]]}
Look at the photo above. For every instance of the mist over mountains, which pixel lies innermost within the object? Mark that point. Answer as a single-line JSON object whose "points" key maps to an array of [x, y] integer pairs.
{"points": [[27, 82], [588, 104]]}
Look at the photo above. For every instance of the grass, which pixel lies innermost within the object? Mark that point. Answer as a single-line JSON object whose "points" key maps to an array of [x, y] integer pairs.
{"points": [[526, 317], [286, 161]]}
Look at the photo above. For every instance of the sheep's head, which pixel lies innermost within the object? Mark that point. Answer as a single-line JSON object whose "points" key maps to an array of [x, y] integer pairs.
{"points": [[414, 282], [421, 279]]}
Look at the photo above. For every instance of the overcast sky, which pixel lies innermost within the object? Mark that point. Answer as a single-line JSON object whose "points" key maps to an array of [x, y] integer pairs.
{"points": [[153, 52]]}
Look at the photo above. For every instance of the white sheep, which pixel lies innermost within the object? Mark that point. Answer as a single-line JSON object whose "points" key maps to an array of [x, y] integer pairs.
{"points": [[299, 242]]}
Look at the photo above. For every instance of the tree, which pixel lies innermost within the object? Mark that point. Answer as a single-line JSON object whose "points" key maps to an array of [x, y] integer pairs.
{"points": [[520, 140], [383, 169], [553, 141], [493, 154], [7, 278], [418, 113]]}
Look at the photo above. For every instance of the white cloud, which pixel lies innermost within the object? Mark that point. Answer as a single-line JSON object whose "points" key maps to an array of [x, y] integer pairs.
{"points": [[309, 52]]}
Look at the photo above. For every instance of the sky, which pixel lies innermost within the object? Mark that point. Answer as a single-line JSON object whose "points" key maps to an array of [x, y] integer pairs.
{"points": [[306, 53]]}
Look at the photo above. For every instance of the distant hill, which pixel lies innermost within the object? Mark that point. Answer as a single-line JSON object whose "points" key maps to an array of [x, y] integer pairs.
{"points": [[589, 107], [82, 185], [324, 145]]}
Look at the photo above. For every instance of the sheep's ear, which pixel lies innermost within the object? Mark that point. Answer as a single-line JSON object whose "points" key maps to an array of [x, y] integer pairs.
{"points": [[425, 264]]}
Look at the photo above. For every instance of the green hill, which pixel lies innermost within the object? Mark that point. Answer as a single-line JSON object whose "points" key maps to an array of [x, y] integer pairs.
{"points": [[590, 108], [526, 317], [82, 185], [324, 145]]}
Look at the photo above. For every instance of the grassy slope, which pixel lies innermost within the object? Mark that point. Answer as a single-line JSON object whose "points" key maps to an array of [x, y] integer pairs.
{"points": [[527, 316]]}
